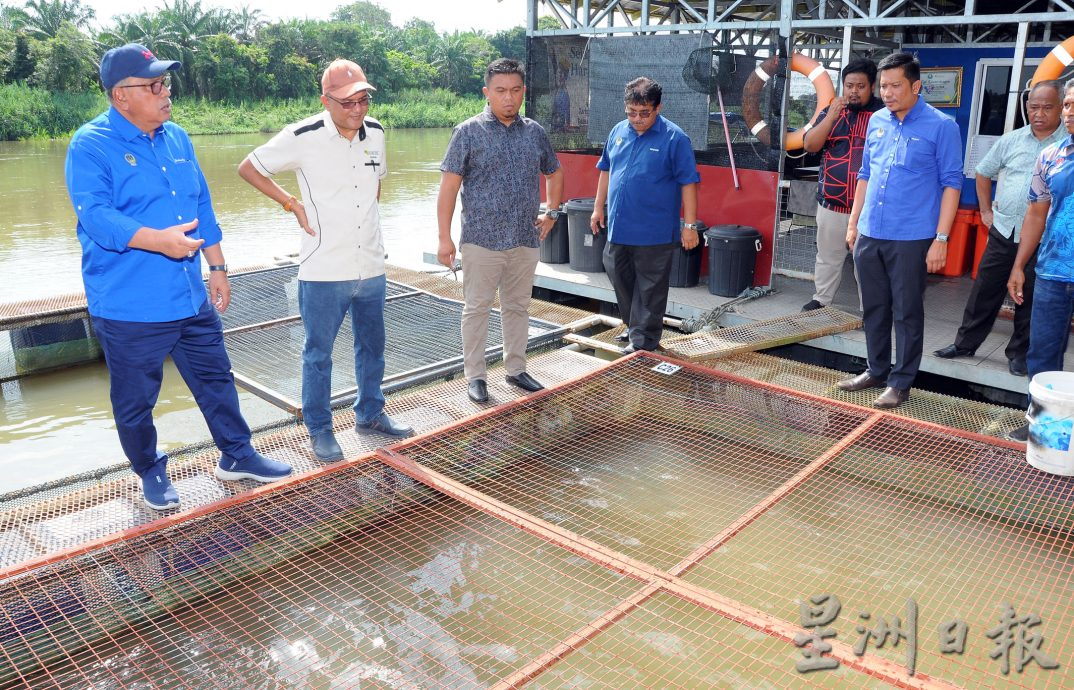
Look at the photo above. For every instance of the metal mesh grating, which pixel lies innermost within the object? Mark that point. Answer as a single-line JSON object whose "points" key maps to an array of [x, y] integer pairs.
{"points": [[270, 294], [422, 331], [969, 415], [783, 330], [534, 544], [41, 520]]}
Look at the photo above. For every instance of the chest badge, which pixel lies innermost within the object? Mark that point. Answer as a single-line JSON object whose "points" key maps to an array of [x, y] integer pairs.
{"points": [[879, 132], [618, 141], [130, 159]]}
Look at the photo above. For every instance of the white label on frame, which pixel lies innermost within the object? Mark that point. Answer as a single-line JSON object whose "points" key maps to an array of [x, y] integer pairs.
{"points": [[666, 368]]}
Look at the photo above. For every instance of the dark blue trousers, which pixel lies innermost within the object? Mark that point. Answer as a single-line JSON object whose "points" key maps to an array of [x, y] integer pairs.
{"points": [[891, 274], [135, 353], [641, 276]]}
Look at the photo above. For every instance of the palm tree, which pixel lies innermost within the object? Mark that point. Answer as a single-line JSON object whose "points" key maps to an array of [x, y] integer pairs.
{"points": [[247, 23], [43, 18]]}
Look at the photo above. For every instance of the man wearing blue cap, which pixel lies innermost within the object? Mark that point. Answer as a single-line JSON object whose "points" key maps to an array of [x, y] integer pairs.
{"points": [[144, 219]]}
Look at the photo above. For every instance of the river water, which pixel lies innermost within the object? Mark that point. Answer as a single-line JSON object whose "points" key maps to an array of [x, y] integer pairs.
{"points": [[58, 424]]}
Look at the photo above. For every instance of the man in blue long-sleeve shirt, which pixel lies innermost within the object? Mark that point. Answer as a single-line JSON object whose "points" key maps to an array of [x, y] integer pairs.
{"points": [[907, 196], [144, 219]]}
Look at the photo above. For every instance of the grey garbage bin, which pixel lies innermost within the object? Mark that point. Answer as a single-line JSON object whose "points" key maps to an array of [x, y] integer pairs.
{"points": [[586, 249], [555, 249]]}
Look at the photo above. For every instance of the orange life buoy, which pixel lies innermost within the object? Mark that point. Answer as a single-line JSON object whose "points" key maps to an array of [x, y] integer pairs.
{"points": [[751, 97], [1054, 62]]}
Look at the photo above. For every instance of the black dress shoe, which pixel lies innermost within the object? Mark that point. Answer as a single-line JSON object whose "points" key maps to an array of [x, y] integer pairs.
{"points": [[952, 351], [525, 382], [478, 391], [812, 305], [325, 447], [1017, 366], [623, 337], [891, 398], [860, 382]]}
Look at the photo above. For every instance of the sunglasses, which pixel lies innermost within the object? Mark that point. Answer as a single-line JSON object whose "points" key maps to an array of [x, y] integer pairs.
{"points": [[155, 87], [363, 102]]}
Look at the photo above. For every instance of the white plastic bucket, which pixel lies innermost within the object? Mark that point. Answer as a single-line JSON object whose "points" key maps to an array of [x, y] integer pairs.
{"points": [[1051, 421]]}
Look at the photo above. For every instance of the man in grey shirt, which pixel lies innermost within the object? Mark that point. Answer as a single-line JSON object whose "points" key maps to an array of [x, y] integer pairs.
{"points": [[497, 159], [1011, 159]]}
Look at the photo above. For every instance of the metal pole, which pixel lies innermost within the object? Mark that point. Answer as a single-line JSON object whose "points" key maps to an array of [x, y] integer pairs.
{"points": [[1014, 93]]}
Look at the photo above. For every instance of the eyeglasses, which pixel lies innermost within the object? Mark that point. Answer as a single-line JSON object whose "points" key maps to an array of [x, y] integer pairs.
{"points": [[640, 114], [155, 87], [363, 102]]}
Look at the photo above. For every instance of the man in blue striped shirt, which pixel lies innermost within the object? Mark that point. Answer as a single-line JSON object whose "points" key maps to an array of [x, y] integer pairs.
{"points": [[144, 219], [907, 196]]}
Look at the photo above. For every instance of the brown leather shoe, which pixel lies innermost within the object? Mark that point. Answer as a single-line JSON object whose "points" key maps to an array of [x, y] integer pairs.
{"points": [[860, 382], [891, 398]]}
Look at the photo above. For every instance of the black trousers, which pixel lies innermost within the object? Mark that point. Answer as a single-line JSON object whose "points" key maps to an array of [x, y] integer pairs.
{"points": [[640, 276], [986, 297], [892, 282]]}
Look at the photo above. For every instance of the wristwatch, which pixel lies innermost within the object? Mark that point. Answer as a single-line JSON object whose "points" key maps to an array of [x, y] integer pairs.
{"points": [[219, 267], [553, 213], [941, 237], [694, 226]]}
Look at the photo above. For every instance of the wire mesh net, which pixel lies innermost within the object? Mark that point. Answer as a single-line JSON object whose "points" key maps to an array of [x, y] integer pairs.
{"points": [[650, 524], [575, 89], [423, 332]]}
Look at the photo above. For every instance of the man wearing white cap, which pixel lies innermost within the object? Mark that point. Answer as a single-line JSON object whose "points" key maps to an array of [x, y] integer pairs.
{"points": [[145, 218], [338, 158]]}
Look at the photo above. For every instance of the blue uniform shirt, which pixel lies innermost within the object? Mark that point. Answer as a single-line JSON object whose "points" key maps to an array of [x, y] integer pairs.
{"points": [[646, 176], [908, 164], [121, 180]]}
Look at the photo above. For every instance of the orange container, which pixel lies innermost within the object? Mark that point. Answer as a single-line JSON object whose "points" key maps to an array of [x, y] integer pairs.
{"points": [[979, 246], [959, 244]]}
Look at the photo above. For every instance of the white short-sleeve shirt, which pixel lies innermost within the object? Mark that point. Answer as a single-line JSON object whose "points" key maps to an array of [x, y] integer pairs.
{"points": [[338, 179]]}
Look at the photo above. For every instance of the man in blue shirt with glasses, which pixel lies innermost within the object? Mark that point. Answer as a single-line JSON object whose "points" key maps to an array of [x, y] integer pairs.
{"points": [[905, 202], [145, 217]]}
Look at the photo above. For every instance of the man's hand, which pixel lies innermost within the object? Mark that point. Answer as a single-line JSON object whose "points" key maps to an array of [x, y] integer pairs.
{"points": [[1015, 284], [690, 238], [173, 241], [835, 108], [937, 256], [299, 210], [219, 290], [852, 234], [596, 221], [544, 224], [445, 253], [987, 216]]}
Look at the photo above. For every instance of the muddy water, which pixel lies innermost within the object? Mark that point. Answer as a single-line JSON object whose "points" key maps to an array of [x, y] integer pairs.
{"points": [[59, 424]]}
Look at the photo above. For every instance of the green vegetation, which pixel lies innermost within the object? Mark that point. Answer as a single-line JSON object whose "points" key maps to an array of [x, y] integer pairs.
{"points": [[240, 73], [27, 113]]}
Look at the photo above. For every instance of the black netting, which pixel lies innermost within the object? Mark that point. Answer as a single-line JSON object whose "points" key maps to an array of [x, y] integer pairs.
{"points": [[575, 86]]}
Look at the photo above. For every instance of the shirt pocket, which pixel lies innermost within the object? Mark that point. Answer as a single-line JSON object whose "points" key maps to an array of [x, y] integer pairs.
{"points": [[915, 153], [185, 181]]}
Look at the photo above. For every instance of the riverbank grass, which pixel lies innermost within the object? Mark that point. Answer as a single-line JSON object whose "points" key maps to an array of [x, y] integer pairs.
{"points": [[27, 113]]}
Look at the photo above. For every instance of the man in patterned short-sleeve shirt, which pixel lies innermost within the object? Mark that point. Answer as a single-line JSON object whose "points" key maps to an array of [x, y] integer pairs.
{"points": [[1049, 224], [497, 159]]}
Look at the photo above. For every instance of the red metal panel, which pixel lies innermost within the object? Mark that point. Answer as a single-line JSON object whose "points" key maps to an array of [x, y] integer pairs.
{"points": [[719, 203]]}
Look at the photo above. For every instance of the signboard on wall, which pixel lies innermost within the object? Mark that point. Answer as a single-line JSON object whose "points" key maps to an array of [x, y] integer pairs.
{"points": [[942, 86]]}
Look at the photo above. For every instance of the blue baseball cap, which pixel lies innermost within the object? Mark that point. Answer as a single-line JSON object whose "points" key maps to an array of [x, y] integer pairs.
{"points": [[132, 60]]}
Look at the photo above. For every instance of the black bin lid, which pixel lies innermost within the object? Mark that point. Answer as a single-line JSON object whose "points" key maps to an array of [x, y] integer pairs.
{"points": [[732, 232], [583, 204]]}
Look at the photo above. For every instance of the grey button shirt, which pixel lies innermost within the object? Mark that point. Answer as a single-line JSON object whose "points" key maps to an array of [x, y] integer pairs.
{"points": [[501, 170], [1011, 159]]}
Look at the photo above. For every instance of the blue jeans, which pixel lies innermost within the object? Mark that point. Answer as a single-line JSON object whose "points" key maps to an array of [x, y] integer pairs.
{"points": [[323, 306], [1049, 325]]}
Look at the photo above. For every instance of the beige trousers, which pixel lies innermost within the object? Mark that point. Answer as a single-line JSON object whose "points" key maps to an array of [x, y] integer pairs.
{"points": [[485, 271], [831, 252]]}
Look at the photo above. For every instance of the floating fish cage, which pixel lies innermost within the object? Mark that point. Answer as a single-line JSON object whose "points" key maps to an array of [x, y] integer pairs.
{"points": [[649, 524]]}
